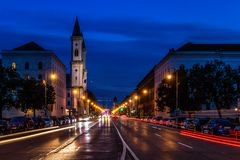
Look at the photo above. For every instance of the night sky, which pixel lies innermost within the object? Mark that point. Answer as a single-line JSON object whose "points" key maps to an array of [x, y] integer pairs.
{"points": [[124, 39]]}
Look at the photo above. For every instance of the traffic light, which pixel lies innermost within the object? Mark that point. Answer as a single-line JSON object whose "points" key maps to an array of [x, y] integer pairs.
{"points": [[121, 109]]}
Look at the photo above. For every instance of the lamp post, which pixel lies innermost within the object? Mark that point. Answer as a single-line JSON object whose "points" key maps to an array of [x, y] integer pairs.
{"points": [[176, 83], [45, 96], [136, 98], [237, 110]]}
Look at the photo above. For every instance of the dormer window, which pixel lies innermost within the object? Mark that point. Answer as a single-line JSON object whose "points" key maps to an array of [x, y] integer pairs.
{"points": [[76, 53]]}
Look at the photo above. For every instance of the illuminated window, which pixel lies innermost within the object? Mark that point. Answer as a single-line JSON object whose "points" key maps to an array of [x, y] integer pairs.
{"points": [[76, 53], [14, 65], [26, 65]]}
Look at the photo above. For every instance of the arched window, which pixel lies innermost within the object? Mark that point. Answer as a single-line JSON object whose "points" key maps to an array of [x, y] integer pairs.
{"points": [[26, 65], [14, 65], [76, 53], [40, 65]]}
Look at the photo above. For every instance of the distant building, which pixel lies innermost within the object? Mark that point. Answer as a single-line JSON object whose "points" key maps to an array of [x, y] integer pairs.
{"points": [[190, 54], [145, 91], [31, 60]]}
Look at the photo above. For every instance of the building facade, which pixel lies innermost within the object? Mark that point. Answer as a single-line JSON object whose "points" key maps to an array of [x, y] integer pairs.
{"points": [[33, 61], [190, 54]]}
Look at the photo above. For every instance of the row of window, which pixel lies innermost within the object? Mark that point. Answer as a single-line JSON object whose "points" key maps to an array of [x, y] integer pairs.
{"points": [[27, 65]]}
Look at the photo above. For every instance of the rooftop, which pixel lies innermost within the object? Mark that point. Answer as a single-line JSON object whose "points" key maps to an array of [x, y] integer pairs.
{"points": [[209, 47], [31, 46]]}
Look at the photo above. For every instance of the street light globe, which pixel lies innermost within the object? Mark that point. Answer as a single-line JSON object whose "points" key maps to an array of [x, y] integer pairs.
{"points": [[169, 76], [145, 91], [236, 109], [75, 91], [53, 76], [130, 100], [88, 100], [83, 97], [136, 97]]}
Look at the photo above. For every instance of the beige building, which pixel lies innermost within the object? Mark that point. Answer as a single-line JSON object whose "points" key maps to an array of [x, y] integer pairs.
{"points": [[32, 60]]}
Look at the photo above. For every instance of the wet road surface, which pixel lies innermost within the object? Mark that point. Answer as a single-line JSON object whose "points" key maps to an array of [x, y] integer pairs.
{"points": [[152, 143], [101, 142], [78, 141]]}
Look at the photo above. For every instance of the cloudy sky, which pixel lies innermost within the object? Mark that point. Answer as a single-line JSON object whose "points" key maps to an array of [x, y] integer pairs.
{"points": [[124, 38]]}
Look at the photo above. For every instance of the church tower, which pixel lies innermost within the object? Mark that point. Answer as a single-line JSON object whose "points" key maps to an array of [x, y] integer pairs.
{"points": [[78, 67]]}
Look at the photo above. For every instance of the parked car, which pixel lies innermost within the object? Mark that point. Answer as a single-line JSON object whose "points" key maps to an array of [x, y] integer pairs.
{"points": [[48, 122], [188, 124], [4, 127], [170, 122], [73, 119], [38, 122], [18, 123], [199, 122], [217, 126], [235, 131]]}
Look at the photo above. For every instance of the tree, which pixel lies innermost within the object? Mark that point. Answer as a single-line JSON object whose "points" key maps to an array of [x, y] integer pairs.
{"points": [[221, 85], [9, 84], [167, 92], [32, 95]]}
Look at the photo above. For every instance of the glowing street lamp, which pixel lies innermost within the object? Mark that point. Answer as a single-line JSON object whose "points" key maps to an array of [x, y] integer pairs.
{"points": [[53, 76], [83, 97], [136, 97], [145, 91], [75, 91], [169, 76]]}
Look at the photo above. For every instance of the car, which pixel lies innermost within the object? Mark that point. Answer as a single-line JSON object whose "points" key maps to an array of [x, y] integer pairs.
{"points": [[199, 122], [188, 124], [217, 126], [235, 131], [18, 123], [38, 122], [73, 119], [4, 127], [48, 122]]}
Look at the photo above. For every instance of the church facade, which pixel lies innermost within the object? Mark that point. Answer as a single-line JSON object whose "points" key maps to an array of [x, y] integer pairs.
{"points": [[77, 80]]}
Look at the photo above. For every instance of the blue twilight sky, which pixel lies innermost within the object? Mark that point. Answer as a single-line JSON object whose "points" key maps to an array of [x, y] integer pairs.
{"points": [[124, 38]]}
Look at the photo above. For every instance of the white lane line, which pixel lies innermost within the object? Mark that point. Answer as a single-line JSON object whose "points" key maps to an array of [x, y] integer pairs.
{"points": [[185, 145], [30, 131], [157, 128], [33, 135], [68, 142], [158, 135], [125, 146]]}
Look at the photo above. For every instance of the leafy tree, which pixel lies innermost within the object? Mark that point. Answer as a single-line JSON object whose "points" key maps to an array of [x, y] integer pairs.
{"points": [[32, 95], [220, 83], [9, 84]]}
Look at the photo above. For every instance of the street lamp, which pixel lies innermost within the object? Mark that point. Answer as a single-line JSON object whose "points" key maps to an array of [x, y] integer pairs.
{"points": [[45, 96], [145, 91], [237, 110], [53, 76], [169, 77]]}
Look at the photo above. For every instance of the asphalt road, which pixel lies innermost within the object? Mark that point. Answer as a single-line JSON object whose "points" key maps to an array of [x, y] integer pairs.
{"points": [[82, 140], [151, 143]]}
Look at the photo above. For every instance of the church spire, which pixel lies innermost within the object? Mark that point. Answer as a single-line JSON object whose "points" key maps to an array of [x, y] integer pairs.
{"points": [[76, 29]]}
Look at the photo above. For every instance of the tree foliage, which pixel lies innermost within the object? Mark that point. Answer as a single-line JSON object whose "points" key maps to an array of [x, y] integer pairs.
{"points": [[23, 93], [215, 83]]}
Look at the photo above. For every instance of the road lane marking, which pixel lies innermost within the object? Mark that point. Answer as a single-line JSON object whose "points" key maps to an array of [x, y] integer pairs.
{"points": [[185, 145], [157, 128], [33, 135], [68, 142], [158, 135], [25, 132], [125, 146]]}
